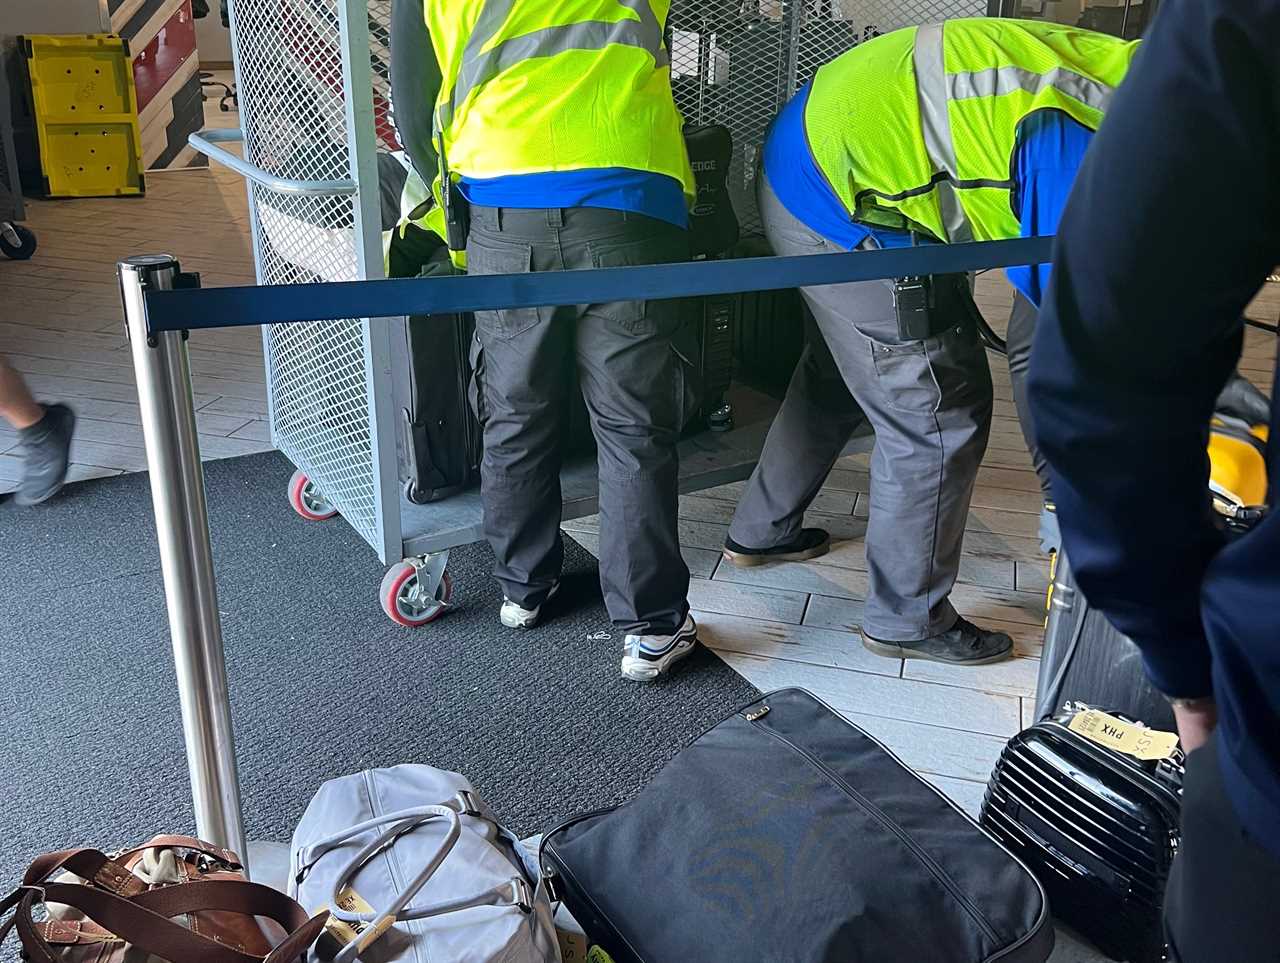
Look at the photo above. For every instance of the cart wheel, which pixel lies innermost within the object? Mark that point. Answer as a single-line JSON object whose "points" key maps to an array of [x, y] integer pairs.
{"points": [[401, 596], [307, 500], [17, 242]]}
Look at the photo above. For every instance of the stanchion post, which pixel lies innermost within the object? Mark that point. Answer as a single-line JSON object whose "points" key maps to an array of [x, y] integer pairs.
{"points": [[182, 526]]}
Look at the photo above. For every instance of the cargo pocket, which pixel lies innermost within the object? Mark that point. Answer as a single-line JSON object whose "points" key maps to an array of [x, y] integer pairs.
{"points": [[688, 389], [905, 374], [489, 256], [475, 384], [639, 317]]}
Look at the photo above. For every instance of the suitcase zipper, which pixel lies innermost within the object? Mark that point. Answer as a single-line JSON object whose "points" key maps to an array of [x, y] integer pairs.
{"points": [[879, 815]]}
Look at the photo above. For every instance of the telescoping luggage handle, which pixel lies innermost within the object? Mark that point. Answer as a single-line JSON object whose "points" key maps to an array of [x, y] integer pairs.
{"points": [[516, 892]]}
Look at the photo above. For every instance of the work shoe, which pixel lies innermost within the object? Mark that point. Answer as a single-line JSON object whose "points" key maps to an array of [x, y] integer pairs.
{"points": [[962, 644], [645, 657], [45, 451], [810, 543], [516, 616]]}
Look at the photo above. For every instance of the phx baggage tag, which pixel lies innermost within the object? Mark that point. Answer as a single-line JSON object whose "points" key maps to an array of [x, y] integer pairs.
{"points": [[1126, 737]]}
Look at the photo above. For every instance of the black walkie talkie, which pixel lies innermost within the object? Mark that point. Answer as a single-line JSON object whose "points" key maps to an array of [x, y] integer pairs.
{"points": [[913, 302], [457, 220]]}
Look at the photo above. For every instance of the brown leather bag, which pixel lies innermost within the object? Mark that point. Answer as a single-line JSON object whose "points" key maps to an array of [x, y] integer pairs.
{"points": [[174, 898]]}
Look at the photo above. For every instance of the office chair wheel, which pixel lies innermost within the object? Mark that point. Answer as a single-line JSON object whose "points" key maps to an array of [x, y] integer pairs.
{"points": [[16, 241], [405, 600], [306, 499]]}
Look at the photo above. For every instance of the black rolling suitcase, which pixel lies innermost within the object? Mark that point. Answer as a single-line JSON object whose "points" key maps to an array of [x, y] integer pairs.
{"points": [[1099, 827], [1086, 660], [705, 340], [786, 833], [440, 434]]}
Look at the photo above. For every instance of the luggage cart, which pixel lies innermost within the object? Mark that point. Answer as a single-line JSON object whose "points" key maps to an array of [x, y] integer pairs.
{"points": [[16, 241], [314, 92]]}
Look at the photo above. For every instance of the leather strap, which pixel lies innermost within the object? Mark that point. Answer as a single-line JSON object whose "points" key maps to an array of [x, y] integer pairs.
{"points": [[142, 921], [164, 841], [88, 864]]}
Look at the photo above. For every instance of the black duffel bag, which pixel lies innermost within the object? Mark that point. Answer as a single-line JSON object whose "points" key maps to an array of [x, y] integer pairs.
{"points": [[786, 833]]}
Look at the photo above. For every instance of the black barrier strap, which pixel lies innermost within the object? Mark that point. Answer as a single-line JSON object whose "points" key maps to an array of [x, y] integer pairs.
{"points": [[272, 304]]}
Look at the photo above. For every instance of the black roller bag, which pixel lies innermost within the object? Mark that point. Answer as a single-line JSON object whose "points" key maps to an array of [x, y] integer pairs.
{"points": [[1086, 660], [786, 833], [1097, 826], [440, 436]]}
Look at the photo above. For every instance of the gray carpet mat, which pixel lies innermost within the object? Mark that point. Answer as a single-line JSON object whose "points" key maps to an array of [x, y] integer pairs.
{"points": [[322, 682]]}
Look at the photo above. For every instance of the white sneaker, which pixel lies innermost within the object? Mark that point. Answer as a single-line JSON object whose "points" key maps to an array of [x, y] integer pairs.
{"points": [[645, 657], [516, 616]]}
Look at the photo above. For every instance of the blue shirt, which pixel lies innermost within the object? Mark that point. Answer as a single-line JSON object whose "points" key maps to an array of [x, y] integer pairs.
{"points": [[1051, 146], [1137, 335], [612, 188]]}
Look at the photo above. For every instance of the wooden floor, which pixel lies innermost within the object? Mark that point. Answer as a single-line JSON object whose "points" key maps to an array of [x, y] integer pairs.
{"points": [[791, 624], [61, 323]]}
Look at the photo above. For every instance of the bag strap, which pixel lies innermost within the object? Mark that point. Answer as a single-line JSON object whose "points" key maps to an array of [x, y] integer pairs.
{"points": [[515, 892], [463, 803], [166, 841], [144, 922], [89, 864]]}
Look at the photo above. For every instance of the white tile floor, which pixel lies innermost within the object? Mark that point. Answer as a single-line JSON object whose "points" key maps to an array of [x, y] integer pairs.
{"points": [[781, 625]]}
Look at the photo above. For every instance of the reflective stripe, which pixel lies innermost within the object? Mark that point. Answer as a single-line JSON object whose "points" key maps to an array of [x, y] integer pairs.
{"points": [[935, 125], [481, 66], [1005, 80]]}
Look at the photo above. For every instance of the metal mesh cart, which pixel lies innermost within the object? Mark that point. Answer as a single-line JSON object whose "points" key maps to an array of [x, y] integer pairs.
{"points": [[313, 84], [16, 241]]}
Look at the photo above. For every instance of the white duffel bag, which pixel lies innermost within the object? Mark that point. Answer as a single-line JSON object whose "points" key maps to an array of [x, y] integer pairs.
{"points": [[413, 867]]}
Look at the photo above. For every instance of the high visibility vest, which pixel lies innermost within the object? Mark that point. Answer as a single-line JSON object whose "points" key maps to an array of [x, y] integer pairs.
{"points": [[414, 210], [917, 129], [532, 86]]}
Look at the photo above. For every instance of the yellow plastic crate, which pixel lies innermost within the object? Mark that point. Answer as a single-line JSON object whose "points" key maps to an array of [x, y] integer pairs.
{"points": [[86, 114]]}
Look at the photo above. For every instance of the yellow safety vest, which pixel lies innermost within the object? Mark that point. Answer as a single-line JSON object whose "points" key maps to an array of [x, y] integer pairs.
{"points": [[532, 86], [917, 129]]}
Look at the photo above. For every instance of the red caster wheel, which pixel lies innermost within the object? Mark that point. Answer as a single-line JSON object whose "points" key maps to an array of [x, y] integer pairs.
{"points": [[307, 500], [405, 598]]}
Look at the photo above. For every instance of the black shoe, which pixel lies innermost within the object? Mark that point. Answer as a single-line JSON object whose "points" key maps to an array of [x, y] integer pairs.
{"points": [[45, 451], [962, 644], [810, 543]]}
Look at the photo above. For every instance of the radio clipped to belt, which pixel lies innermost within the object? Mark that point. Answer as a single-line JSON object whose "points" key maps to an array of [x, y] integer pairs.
{"points": [[926, 305], [454, 206]]}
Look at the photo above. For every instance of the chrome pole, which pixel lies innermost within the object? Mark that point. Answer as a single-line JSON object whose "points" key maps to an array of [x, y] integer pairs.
{"points": [[182, 526]]}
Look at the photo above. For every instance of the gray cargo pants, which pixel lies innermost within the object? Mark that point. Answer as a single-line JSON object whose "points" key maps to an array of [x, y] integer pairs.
{"points": [[524, 362], [930, 405]]}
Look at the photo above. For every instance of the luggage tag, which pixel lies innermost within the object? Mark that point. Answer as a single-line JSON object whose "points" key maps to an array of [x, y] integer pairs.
{"points": [[339, 934], [1125, 737]]}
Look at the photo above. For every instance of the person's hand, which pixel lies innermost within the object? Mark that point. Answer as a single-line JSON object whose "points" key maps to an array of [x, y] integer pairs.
{"points": [[1196, 722]]}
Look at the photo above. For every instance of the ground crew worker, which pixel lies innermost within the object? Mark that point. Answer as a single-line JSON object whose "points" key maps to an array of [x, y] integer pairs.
{"points": [[968, 130], [557, 125]]}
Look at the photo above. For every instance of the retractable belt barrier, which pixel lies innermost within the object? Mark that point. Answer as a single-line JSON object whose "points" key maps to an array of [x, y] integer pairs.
{"points": [[161, 303], [193, 308]]}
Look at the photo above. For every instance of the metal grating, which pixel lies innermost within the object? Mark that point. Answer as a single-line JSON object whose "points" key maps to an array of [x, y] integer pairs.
{"points": [[738, 63], [293, 111]]}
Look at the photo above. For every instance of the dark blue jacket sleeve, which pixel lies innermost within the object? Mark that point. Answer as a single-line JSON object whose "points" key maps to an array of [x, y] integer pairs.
{"points": [[1140, 327]]}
